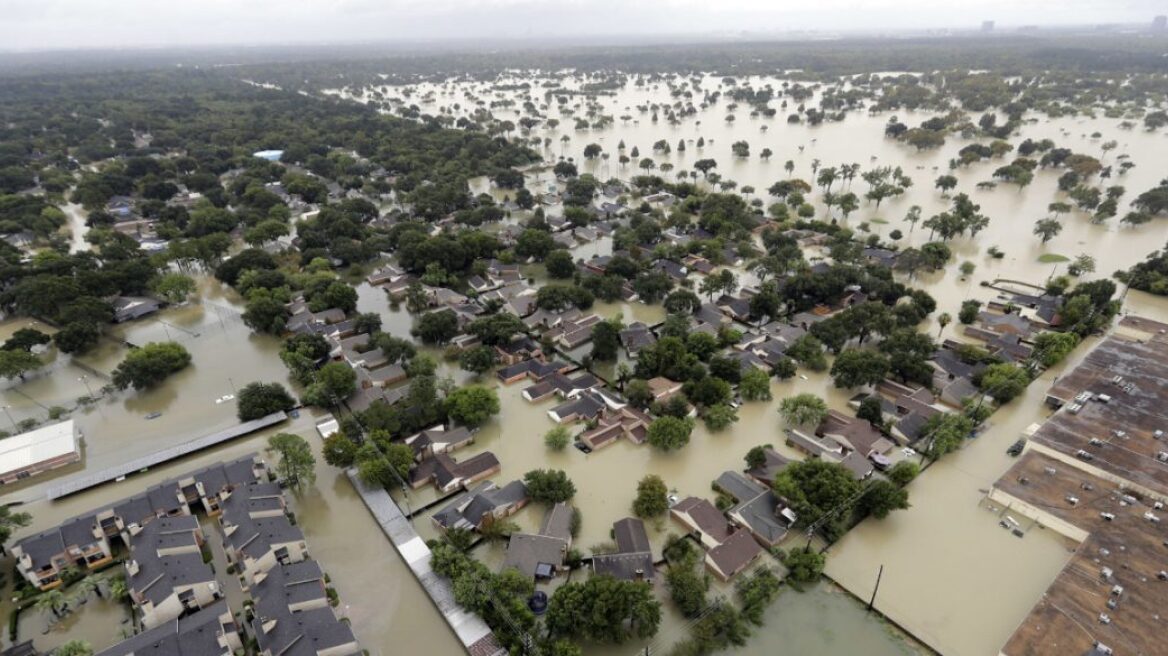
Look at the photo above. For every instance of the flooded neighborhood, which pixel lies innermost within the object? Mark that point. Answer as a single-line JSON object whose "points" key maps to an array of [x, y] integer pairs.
{"points": [[743, 347]]}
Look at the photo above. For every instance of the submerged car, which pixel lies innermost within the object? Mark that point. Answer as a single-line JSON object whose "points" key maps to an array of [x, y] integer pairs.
{"points": [[1016, 448]]}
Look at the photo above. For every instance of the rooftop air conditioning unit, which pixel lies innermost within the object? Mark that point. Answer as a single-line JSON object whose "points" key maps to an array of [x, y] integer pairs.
{"points": [[1162, 456], [1103, 398], [1074, 501], [1107, 516], [1095, 441], [1105, 572]]}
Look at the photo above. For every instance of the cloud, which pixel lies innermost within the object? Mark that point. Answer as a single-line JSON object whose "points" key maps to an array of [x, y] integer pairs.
{"points": [[47, 24]]}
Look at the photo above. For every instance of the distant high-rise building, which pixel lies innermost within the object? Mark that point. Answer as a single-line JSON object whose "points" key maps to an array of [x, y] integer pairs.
{"points": [[987, 26], [1160, 23]]}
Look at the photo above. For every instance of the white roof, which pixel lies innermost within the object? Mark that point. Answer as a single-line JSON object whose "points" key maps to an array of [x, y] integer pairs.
{"points": [[328, 427], [27, 449]]}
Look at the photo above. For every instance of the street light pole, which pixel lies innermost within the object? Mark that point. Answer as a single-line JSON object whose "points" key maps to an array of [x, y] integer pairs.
{"points": [[85, 381]]}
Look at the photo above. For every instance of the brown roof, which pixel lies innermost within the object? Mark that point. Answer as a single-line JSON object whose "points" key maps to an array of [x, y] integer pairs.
{"points": [[707, 518], [735, 553]]}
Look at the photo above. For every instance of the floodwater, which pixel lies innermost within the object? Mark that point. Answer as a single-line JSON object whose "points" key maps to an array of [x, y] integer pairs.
{"points": [[952, 577], [225, 356]]}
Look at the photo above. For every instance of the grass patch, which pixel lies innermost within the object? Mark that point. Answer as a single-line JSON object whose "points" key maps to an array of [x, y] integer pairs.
{"points": [[1053, 258]]}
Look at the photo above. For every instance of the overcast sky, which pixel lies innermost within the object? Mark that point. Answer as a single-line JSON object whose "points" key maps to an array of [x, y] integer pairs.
{"points": [[56, 24]]}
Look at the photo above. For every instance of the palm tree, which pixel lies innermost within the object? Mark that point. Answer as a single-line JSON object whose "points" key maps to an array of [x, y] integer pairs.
{"points": [[943, 319], [789, 167], [52, 601]]}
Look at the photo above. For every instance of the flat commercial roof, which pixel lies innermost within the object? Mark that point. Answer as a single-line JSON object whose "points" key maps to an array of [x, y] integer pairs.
{"points": [[27, 449]]}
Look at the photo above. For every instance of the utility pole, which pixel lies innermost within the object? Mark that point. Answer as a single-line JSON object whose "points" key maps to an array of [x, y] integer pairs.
{"points": [[879, 575]]}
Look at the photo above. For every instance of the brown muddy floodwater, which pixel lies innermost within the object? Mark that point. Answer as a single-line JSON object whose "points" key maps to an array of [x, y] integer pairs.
{"points": [[952, 576]]}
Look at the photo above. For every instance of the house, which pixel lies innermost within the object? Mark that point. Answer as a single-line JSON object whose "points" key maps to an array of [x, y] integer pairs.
{"points": [[536, 556], [448, 475], [736, 308], [627, 422], [210, 631], [701, 517], [258, 534], [662, 388], [536, 370], [79, 542], [758, 509], [517, 350], [832, 451], [633, 559], [433, 441], [635, 337], [770, 468], [675, 271], [561, 386], [84, 542], [587, 405], [384, 274], [292, 614], [853, 433], [557, 522], [485, 503], [165, 572], [733, 555], [128, 308]]}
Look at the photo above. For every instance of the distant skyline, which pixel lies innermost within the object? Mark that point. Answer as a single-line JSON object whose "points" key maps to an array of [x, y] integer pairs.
{"points": [[70, 24]]}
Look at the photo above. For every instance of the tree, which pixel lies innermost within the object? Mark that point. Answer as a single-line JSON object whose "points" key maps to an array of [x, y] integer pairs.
{"points": [[1004, 381], [558, 438], [496, 329], [943, 319], [856, 367], [332, 384], [256, 400], [25, 339], [559, 264], [10, 520], [882, 497], [606, 339], [817, 490], [803, 409], [297, 465], [1047, 229], [871, 410], [670, 433], [945, 183], [687, 587], [149, 365], [477, 360], [436, 327], [804, 565], [473, 405], [944, 432], [74, 648], [652, 497], [757, 590], [603, 609], [173, 287], [17, 362], [339, 450], [1050, 348], [755, 385], [903, 472], [549, 486], [969, 311], [719, 416]]}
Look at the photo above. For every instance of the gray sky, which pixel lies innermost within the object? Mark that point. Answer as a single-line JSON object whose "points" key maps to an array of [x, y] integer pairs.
{"points": [[55, 24]]}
